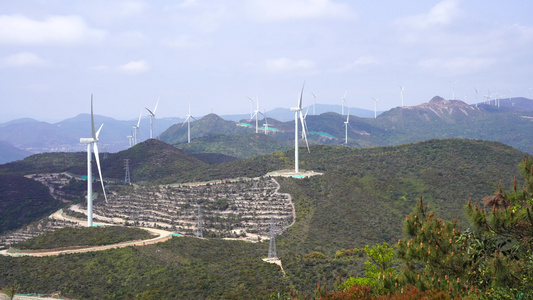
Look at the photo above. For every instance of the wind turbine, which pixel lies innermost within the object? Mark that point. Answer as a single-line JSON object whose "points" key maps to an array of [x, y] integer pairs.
{"points": [[130, 137], [476, 95], [401, 92], [92, 144], [453, 89], [510, 101], [297, 110], [344, 102], [136, 133], [314, 103], [375, 107], [188, 121], [346, 124], [266, 125], [251, 107], [256, 115], [152, 117]]}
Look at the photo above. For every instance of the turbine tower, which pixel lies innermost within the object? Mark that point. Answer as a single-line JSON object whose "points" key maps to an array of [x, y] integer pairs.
{"points": [[346, 124], [152, 118], [266, 125], [344, 102], [297, 110], [256, 115], [314, 103], [92, 145], [453, 89], [136, 133], [375, 107], [401, 92], [188, 121]]}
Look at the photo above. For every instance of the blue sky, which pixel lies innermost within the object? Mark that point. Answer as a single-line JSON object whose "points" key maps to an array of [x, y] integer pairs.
{"points": [[54, 54]]}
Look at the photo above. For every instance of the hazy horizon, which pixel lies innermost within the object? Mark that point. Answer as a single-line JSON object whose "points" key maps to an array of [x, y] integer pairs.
{"points": [[217, 55]]}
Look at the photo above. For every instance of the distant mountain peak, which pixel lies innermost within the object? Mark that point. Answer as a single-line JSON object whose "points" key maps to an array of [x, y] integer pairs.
{"points": [[438, 101]]}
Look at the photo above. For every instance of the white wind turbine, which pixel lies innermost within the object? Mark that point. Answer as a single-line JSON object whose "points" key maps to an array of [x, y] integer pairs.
{"points": [[510, 101], [314, 103], [92, 144], [188, 121], [251, 107], [152, 117], [346, 124], [297, 110], [476, 95], [266, 125], [401, 92], [130, 137], [375, 107], [453, 89], [135, 128], [344, 102], [256, 115]]}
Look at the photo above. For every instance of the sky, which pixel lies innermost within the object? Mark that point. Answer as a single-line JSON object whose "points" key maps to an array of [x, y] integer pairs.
{"points": [[216, 55]]}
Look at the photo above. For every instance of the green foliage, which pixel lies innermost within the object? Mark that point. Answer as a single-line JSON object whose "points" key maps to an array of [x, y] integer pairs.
{"points": [[315, 255], [381, 256], [358, 281], [83, 236], [181, 268], [242, 145], [23, 200]]}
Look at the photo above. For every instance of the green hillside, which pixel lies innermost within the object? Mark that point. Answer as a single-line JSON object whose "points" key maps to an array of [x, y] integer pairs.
{"points": [[23, 200], [150, 160], [243, 145], [209, 124], [361, 199]]}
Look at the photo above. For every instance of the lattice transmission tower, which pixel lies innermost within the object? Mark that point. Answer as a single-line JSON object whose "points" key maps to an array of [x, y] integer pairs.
{"points": [[127, 178]]}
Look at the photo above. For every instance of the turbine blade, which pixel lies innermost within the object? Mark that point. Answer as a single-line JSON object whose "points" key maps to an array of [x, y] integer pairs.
{"points": [[98, 132], [301, 96], [140, 115], [305, 116], [157, 103], [303, 131], [92, 119], [97, 156], [151, 113]]}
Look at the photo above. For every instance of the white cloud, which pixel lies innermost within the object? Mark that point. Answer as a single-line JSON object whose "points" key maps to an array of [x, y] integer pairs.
{"points": [[24, 59], [279, 10], [455, 66], [285, 64], [134, 67], [443, 13], [54, 30]]}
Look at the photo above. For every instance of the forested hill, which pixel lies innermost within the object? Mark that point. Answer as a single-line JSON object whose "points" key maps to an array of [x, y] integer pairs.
{"points": [[365, 193], [361, 199]]}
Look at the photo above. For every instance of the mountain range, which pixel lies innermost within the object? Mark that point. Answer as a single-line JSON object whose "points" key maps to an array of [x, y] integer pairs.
{"points": [[509, 123]]}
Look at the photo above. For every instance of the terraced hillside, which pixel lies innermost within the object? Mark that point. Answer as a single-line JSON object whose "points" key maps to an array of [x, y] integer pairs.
{"points": [[229, 209]]}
